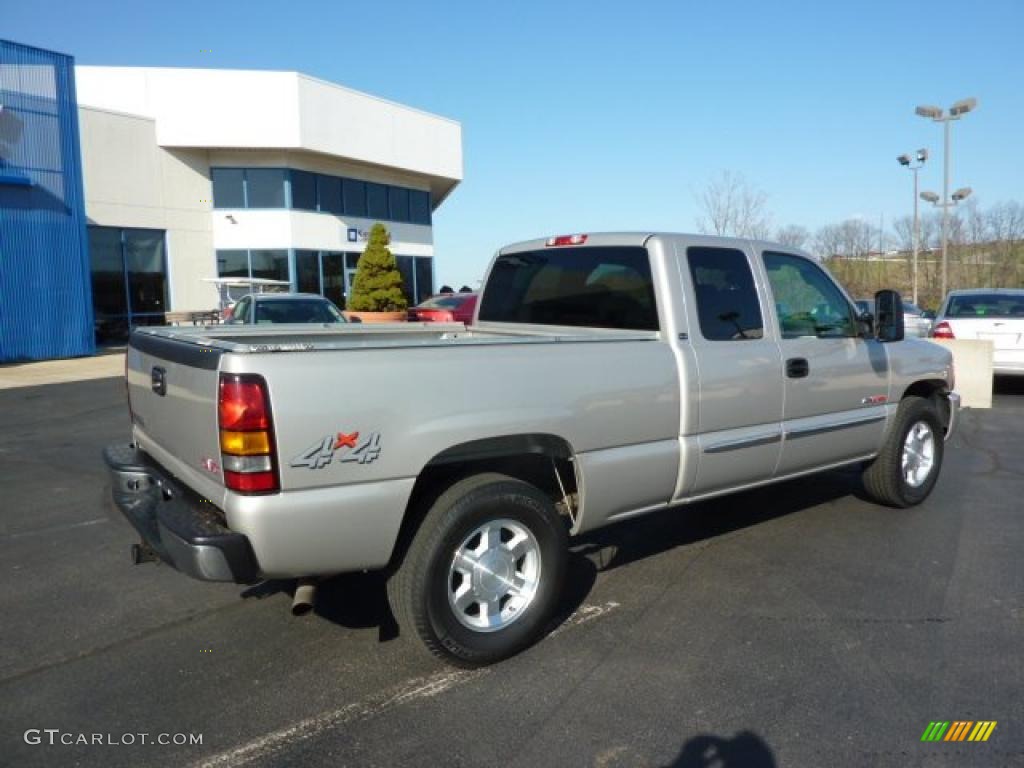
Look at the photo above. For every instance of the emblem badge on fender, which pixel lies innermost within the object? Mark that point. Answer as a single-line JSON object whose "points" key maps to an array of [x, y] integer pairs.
{"points": [[345, 447]]}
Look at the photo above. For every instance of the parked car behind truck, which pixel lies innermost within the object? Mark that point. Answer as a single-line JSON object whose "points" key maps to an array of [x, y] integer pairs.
{"points": [[988, 314], [606, 376]]}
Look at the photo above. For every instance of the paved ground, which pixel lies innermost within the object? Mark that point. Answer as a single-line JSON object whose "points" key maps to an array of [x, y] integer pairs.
{"points": [[108, 362], [796, 626]]}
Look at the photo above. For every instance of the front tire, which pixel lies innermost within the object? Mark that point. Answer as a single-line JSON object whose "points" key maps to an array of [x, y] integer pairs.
{"points": [[907, 467], [484, 571]]}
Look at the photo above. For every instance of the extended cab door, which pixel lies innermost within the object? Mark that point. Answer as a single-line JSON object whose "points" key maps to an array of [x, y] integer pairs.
{"points": [[836, 382], [739, 370]]}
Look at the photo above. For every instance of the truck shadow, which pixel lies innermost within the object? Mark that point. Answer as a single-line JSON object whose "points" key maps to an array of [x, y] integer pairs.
{"points": [[632, 540], [359, 600]]}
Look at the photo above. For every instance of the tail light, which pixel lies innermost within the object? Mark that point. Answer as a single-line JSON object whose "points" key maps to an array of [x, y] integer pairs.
{"points": [[943, 331], [246, 434]]}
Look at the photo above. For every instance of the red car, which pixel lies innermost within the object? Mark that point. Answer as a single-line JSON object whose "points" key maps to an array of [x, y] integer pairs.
{"points": [[446, 308]]}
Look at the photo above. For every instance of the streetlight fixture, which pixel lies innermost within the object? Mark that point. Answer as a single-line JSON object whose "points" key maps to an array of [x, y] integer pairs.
{"points": [[957, 111], [908, 162]]}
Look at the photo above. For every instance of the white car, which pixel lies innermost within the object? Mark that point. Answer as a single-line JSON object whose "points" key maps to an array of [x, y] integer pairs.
{"points": [[983, 313]]}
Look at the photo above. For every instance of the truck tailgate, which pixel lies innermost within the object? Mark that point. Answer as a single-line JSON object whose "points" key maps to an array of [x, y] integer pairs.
{"points": [[172, 386]]}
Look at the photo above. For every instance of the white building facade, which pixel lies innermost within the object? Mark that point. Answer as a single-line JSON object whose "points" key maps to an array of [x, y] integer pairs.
{"points": [[193, 174]]}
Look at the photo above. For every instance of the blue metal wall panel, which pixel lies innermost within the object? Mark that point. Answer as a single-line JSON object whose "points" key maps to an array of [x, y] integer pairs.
{"points": [[45, 294]]}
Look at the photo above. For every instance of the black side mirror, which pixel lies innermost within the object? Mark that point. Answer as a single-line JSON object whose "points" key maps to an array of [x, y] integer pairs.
{"points": [[353, 319], [866, 325], [889, 316], [928, 314]]}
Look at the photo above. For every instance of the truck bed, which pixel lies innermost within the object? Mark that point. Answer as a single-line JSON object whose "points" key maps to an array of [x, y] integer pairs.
{"points": [[248, 339]]}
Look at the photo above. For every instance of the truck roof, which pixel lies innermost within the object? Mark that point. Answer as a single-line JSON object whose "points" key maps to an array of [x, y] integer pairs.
{"points": [[640, 238]]}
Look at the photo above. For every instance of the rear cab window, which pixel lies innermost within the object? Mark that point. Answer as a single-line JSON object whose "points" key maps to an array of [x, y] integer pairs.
{"points": [[723, 284], [592, 286]]}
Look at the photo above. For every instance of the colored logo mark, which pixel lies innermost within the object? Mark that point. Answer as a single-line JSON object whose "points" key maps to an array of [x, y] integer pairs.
{"points": [[958, 730]]}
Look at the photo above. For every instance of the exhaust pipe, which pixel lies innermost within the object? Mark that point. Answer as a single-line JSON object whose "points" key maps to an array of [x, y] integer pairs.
{"points": [[305, 594]]}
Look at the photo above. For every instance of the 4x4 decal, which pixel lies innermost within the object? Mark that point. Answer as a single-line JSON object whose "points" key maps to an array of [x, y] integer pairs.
{"points": [[347, 448]]}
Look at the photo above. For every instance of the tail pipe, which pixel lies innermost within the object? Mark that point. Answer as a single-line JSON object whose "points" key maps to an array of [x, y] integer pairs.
{"points": [[305, 595]]}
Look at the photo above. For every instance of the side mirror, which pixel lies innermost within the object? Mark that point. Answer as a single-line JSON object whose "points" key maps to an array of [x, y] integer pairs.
{"points": [[866, 325], [353, 319], [889, 316], [928, 314]]}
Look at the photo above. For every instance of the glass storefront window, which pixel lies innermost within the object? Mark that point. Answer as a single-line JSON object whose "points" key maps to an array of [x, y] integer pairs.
{"points": [[228, 187], [307, 271], [129, 279], [424, 278], [265, 187], [269, 265], [147, 277], [408, 270], [355, 197], [303, 190], [398, 203], [329, 194], [232, 263], [333, 265], [419, 207], [376, 201]]}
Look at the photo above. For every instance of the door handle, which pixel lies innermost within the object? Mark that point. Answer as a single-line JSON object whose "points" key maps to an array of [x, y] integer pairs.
{"points": [[797, 368]]}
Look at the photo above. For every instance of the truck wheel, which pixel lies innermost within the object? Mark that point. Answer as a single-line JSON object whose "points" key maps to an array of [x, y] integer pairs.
{"points": [[484, 571], [905, 471]]}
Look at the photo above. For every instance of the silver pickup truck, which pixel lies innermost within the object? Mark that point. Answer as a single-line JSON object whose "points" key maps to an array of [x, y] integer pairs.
{"points": [[605, 376]]}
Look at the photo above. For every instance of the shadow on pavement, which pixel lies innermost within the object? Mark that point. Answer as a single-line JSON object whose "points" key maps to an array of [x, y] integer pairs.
{"points": [[658, 532], [1008, 385], [744, 750]]}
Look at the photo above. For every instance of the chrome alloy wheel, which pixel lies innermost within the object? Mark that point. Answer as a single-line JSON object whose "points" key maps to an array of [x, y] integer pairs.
{"points": [[918, 454], [494, 575]]}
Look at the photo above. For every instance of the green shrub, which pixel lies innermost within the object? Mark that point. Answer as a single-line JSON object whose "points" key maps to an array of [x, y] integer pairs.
{"points": [[378, 283]]}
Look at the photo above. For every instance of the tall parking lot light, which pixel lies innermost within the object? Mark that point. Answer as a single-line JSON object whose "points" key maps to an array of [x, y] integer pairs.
{"points": [[908, 162], [958, 110]]}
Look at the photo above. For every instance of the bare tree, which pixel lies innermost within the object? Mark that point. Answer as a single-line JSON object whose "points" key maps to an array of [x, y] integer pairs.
{"points": [[793, 235], [731, 206], [828, 242]]}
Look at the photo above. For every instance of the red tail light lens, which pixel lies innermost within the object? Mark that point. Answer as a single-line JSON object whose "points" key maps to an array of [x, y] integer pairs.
{"points": [[255, 482], [246, 434], [242, 404], [567, 240], [943, 331]]}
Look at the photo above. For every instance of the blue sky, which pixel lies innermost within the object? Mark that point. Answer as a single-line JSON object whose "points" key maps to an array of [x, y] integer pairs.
{"points": [[586, 116]]}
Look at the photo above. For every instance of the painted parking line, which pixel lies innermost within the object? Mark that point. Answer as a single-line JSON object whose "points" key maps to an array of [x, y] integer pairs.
{"points": [[409, 691]]}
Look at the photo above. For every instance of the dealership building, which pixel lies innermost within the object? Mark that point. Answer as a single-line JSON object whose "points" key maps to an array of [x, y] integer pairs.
{"points": [[191, 174]]}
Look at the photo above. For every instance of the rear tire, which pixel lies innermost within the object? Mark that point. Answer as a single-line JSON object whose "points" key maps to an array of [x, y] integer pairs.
{"points": [[907, 467], [483, 573]]}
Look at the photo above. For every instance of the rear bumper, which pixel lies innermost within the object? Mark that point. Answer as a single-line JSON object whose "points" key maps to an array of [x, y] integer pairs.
{"points": [[185, 531]]}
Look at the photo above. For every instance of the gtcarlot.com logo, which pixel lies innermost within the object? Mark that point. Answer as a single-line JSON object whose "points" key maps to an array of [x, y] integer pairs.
{"points": [[56, 737]]}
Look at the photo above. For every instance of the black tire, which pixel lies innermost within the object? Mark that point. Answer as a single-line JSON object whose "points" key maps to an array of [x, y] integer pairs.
{"points": [[418, 590], [883, 479]]}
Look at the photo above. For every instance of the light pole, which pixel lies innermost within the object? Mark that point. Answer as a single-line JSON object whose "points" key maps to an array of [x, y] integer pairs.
{"points": [[930, 197], [957, 111], [921, 156]]}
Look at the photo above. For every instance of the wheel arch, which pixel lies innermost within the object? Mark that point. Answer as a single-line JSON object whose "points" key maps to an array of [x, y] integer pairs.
{"points": [[934, 390], [530, 457]]}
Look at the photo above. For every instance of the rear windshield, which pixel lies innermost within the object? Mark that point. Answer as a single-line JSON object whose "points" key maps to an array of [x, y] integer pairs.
{"points": [[297, 311], [442, 302], [986, 305], [597, 287]]}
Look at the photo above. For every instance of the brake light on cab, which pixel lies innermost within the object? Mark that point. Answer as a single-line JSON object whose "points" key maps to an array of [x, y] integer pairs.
{"points": [[943, 331], [567, 240], [246, 434]]}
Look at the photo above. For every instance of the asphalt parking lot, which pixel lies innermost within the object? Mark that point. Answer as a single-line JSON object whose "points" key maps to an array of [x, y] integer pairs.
{"points": [[794, 626]]}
